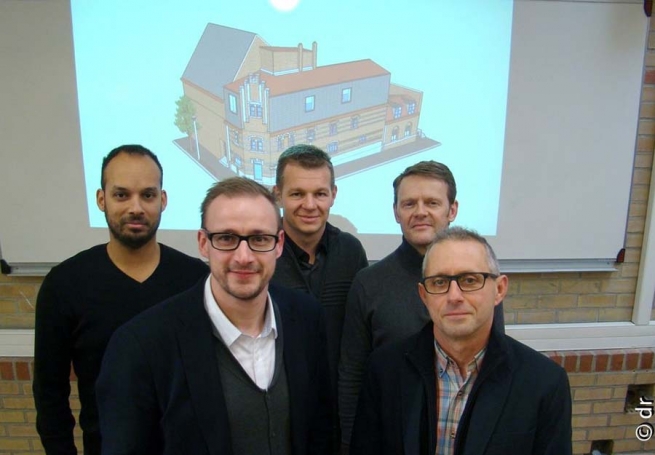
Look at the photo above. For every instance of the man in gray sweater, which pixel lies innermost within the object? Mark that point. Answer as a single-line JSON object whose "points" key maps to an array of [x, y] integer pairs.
{"points": [[383, 304]]}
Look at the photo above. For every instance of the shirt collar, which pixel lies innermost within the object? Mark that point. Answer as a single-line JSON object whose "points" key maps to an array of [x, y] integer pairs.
{"points": [[409, 256], [301, 254], [224, 328], [443, 361]]}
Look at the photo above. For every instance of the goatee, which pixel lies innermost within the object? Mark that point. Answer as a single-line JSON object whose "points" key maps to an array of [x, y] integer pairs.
{"points": [[131, 240]]}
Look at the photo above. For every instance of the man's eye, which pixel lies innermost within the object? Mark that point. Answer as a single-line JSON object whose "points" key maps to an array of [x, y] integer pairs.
{"points": [[224, 238], [439, 282], [469, 279]]}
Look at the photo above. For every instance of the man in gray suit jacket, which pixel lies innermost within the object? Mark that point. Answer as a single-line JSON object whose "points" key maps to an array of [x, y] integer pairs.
{"points": [[232, 366], [460, 386]]}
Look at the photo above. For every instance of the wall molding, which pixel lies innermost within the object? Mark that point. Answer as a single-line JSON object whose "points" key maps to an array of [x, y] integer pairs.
{"points": [[542, 337]]}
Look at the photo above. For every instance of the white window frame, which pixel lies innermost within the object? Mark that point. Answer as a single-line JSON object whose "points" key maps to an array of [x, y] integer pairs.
{"points": [[346, 95], [233, 103], [311, 98]]}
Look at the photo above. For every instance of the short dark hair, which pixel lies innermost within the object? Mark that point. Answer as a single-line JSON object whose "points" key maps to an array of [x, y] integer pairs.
{"points": [[432, 169], [130, 149], [461, 234], [237, 186], [307, 156]]}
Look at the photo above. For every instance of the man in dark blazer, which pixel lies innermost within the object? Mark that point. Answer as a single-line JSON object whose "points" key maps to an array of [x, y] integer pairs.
{"points": [[231, 366], [460, 386]]}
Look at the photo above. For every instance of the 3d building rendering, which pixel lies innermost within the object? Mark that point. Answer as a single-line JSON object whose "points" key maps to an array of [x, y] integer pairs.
{"points": [[245, 102]]}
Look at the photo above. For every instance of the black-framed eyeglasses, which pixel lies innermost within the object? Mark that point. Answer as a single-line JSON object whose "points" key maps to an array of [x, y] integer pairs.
{"points": [[467, 282], [227, 241]]}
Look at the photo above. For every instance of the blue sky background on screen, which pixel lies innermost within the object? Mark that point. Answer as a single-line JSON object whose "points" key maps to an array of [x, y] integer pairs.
{"points": [[130, 57]]}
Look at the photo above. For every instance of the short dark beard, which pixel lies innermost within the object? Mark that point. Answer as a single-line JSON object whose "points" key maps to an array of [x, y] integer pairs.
{"points": [[129, 241]]}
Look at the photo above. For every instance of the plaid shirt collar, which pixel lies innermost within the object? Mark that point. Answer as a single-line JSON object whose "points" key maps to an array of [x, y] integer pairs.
{"points": [[443, 362], [452, 394]]}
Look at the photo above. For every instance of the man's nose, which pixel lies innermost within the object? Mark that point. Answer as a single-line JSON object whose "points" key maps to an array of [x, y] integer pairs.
{"points": [[309, 202], [420, 208], [243, 253], [454, 291], [135, 205]]}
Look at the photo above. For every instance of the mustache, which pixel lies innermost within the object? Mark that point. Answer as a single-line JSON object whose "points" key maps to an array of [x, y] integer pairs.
{"points": [[245, 269], [134, 219]]}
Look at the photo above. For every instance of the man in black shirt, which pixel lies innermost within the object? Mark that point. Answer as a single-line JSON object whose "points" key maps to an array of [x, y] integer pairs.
{"points": [[83, 300], [318, 257]]}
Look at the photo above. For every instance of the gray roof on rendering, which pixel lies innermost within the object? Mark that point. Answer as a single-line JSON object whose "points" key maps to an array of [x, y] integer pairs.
{"points": [[218, 57]]}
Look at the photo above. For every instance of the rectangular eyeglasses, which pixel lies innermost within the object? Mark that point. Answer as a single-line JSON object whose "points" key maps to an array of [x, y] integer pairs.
{"points": [[467, 282], [227, 241]]}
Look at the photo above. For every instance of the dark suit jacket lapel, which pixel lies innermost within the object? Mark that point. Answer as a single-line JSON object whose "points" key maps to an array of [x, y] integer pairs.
{"points": [[198, 358], [418, 391], [487, 399], [307, 373]]}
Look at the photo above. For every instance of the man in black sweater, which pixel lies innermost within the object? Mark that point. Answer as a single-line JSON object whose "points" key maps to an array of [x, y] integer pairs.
{"points": [[83, 300], [318, 257]]}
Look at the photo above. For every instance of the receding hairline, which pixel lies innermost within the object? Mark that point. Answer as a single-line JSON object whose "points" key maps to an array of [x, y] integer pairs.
{"points": [[330, 185], [432, 169], [244, 195], [454, 240], [132, 150], [422, 177], [461, 234], [307, 156], [118, 156]]}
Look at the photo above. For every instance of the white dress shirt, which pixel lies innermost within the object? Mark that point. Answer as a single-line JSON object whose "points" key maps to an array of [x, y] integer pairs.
{"points": [[256, 355]]}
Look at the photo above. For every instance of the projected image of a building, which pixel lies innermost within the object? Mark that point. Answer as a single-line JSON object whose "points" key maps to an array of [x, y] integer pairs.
{"points": [[246, 101]]}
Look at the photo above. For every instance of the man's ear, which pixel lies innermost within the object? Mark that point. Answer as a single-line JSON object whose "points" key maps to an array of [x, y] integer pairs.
{"points": [[164, 200], [422, 293], [452, 212], [395, 214], [502, 285], [203, 244], [100, 199], [279, 247]]}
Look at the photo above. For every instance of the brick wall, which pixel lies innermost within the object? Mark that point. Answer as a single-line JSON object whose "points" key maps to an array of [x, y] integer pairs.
{"points": [[541, 298], [18, 301], [17, 414], [599, 386]]}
